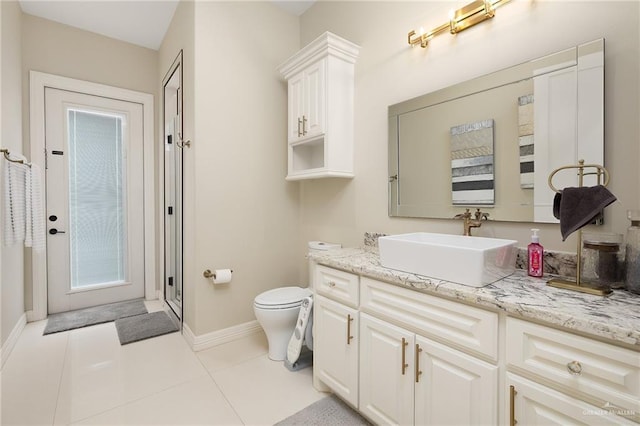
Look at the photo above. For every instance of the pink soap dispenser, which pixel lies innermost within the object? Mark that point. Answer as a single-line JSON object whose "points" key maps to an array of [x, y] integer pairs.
{"points": [[536, 255]]}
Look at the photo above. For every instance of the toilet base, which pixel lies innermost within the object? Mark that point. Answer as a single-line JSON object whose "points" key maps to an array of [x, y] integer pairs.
{"points": [[304, 360]]}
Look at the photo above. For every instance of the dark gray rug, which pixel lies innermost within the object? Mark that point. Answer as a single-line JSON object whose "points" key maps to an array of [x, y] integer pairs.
{"points": [[94, 315], [328, 411], [140, 327]]}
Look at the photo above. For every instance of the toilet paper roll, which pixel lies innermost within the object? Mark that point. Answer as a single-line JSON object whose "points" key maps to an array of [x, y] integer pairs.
{"points": [[222, 276]]}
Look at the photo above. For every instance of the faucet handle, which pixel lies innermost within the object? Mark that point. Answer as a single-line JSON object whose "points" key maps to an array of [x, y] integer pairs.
{"points": [[465, 215], [480, 215]]}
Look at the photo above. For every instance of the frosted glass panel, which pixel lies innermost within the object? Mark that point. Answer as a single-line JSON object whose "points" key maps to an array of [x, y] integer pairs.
{"points": [[97, 196]]}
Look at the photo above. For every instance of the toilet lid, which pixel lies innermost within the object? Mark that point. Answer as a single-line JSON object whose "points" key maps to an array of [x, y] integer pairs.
{"points": [[278, 297]]}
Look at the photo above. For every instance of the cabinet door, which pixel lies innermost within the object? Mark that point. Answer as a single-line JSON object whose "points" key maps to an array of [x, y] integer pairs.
{"points": [[296, 106], [386, 372], [534, 404], [336, 347], [453, 388], [315, 98]]}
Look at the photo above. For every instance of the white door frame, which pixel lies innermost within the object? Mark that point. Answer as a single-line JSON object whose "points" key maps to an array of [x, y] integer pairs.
{"points": [[38, 82]]}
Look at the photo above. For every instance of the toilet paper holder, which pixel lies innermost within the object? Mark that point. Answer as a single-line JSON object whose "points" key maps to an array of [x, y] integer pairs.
{"points": [[209, 274]]}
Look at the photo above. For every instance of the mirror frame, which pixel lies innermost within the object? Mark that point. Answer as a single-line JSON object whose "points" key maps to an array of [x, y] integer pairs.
{"points": [[550, 63]]}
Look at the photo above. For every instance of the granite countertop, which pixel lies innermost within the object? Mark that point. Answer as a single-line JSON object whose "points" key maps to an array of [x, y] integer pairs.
{"points": [[615, 317]]}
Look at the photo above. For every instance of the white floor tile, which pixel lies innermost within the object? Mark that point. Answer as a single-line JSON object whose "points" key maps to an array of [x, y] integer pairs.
{"points": [[100, 374], [198, 402], [154, 305], [234, 353], [85, 376], [31, 377], [264, 392]]}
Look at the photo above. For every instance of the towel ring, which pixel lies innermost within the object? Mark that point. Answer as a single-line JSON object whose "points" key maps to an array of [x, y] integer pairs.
{"points": [[600, 171]]}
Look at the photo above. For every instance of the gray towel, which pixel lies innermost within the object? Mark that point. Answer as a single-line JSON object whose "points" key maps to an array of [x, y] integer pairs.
{"points": [[577, 207]]}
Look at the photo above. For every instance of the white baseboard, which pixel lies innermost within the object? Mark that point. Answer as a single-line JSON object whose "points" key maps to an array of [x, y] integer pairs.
{"points": [[11, 341], [215, 338]]}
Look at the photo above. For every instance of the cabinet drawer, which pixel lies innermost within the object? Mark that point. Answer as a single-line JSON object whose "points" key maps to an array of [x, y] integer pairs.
{"points": [[337, 285], [608, 373], [461, 326], [534, 404]]}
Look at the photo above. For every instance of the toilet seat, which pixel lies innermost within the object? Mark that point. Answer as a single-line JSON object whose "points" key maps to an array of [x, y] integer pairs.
{"points": [[281, 298]]}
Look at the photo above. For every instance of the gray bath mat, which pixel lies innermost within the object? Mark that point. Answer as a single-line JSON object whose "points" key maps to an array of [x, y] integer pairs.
{"points": [[328, 411], [140, 327], [94, 315]]}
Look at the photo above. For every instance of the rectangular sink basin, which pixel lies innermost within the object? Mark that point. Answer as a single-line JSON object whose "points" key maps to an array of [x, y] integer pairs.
{"points": [[472, 261]]}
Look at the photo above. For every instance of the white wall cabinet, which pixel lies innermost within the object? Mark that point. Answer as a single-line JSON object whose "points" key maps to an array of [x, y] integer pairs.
{"points": [[306, 102], [320, 81]]}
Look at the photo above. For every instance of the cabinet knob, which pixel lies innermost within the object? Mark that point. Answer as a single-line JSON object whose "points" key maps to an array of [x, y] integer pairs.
{"points": [[331, 284], [574, 368]]}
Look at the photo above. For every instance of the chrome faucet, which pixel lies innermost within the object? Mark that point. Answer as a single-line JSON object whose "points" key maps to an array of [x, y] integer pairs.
{"points": [[472, 223]]}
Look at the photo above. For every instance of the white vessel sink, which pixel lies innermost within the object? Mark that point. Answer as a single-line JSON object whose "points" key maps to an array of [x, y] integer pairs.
{"points": [[472, 261]]}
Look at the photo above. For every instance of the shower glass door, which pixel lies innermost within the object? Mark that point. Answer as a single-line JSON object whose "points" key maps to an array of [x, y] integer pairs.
{"points": [[172, 144]]}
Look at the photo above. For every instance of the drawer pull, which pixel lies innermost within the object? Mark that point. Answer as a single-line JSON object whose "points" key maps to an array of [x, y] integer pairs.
{"points": [[349, 336], [299, 123], [418, 371], [331, 284], [574, 368], [404, 353], [512, 406]]}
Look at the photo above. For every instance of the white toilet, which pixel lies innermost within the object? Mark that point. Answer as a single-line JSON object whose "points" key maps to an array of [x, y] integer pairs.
{"points": [[277, 310]]}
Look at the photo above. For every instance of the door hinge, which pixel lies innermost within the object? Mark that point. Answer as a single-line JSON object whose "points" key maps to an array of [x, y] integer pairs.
{"points": [[170, 281], [170, 210]]}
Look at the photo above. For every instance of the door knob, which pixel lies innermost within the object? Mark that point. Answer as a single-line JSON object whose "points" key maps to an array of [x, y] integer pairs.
{"points": [[54, 231]]}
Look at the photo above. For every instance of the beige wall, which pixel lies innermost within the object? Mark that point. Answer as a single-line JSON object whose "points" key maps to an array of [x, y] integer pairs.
{"points": [[12, 259], [59, 49], [245, 216], [388, 71]]}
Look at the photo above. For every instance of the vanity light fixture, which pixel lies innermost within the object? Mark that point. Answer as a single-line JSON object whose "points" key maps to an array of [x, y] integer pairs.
{"points": [[459, 20]]}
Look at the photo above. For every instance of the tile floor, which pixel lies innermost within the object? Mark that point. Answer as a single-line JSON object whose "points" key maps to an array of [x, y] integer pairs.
{"points": [[85, 377]]}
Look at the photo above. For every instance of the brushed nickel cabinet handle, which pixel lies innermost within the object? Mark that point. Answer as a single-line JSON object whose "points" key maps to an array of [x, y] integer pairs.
{"points": [[512, 406], [299, 124], [574, 368], [404, 351], [304, 125], [418, 372], [349, 336]]}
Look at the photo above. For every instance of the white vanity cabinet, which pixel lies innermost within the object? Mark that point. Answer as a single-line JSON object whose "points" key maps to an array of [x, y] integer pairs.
{"points": [[336, 325], [427, 360], [531, 403], [320, 81], [407, 377], [594, 382]]}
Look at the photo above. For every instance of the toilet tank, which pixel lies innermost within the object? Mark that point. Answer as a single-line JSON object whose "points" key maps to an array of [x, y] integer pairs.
{"points": [[317, 246]]}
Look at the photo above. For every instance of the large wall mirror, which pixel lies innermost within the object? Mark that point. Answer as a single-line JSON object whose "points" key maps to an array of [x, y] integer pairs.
{"points": [[491, 142]]}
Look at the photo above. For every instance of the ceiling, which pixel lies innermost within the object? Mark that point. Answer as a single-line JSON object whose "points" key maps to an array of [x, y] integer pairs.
{"points": [[141, 22]]}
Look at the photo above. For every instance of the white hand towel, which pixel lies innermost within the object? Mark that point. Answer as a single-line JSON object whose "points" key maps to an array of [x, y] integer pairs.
{"points": [[14, 202], [35, 234]]}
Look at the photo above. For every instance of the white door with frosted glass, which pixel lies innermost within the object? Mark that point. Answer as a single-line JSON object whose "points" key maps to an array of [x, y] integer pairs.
{"points": [[95, 216]]}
